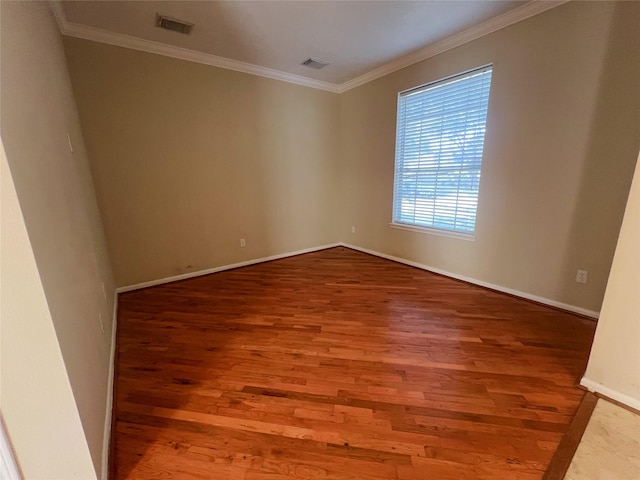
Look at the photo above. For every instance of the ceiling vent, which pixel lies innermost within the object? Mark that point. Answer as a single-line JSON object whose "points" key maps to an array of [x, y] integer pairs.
{"points": [[312, 63], [173, 24]]}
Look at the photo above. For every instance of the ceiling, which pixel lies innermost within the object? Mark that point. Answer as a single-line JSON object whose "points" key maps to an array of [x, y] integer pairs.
{"points": [[273, 38]]}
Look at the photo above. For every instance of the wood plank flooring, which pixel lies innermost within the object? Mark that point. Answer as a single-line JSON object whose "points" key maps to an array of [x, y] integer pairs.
{"points": [[339, 365]]}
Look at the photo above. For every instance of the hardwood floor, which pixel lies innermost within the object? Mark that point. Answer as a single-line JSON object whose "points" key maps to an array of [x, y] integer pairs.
{"points": [[339, 365]]}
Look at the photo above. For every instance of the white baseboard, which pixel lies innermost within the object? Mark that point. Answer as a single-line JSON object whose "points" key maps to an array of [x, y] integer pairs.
{"points": [[8, 466], [199, 273], [609, 392], [108, 418], [499, 288]]}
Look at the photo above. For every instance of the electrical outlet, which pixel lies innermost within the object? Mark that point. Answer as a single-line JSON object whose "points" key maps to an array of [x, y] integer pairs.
{"points": [[353, 229], [100, 322], [243, 242], [581, 276]]}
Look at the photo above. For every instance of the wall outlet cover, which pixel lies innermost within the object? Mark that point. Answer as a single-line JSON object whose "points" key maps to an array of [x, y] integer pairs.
{"points": [[581, 276]]}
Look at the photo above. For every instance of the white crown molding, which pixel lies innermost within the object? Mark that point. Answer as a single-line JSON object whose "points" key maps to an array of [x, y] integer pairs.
{"points": [[58, 13], [127, 41], [516, 15], [86, 32]]}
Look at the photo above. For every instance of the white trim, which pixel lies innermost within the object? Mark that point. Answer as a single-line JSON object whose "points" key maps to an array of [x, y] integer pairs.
{"points": [[184, 276], [127, 41], [58, 13], [8, 466], [594, 386], [516, 15], [469, 237], [534, 7], [108, 416], [499, 288]]}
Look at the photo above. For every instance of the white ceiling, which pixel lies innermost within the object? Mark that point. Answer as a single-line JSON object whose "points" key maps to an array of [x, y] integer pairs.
{"points": [[355, 37]]}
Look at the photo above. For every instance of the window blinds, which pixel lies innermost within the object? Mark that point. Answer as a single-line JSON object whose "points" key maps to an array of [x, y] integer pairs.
{"points": [[439, 141]]}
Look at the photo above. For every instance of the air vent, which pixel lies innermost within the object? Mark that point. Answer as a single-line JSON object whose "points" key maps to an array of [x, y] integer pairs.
{"points": [[173, 24], [312, 63]]}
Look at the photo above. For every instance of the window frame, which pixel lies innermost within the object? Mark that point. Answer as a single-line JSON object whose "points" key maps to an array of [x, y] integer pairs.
{"points": [[446, 232]]}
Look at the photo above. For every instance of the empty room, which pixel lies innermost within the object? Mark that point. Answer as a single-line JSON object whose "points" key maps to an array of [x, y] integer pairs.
{"points": [[272, 240]]}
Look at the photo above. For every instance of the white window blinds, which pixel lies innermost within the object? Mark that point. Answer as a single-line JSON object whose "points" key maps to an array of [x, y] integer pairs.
{"points": [[439, 141]]}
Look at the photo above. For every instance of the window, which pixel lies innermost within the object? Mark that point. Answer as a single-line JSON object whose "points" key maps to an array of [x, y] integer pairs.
{"points": [[439, 141]]}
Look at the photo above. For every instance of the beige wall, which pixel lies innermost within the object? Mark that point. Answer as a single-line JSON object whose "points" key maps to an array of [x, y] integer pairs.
{"points": [[55, 192], [36, 400], [560, 147], [614, 364], [189, 158]]}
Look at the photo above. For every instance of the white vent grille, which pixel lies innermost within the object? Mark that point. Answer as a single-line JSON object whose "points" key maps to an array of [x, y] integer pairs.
{"points": [[173, 24], [313, 63]]}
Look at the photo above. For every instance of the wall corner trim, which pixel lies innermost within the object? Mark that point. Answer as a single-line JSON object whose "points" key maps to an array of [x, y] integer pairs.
{"points": [[597, 387], [8, 466], [58, 13], [528, 296], [108, 418]]}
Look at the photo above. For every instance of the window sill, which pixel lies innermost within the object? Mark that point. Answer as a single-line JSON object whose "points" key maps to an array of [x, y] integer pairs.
{"points": [[470, 237]]}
